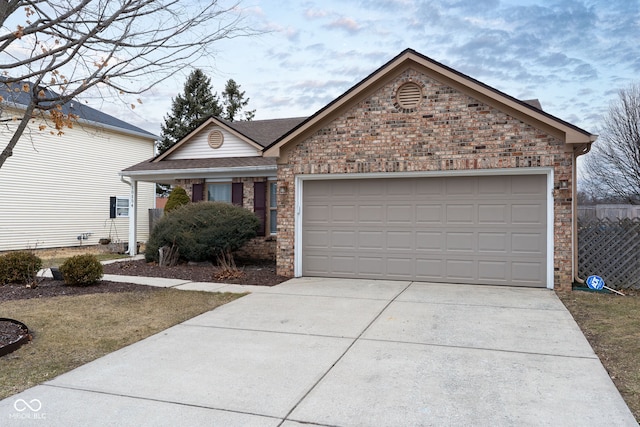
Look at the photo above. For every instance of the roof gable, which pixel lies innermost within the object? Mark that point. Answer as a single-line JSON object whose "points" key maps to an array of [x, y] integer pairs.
{"points": [[409, 58], [256, 134]]}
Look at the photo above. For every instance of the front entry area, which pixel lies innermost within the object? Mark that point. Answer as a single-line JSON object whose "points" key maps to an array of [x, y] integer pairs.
{"points": [[454, 229]]}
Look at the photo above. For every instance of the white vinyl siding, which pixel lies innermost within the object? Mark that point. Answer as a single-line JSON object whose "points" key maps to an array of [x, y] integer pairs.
{"points": [[198, 147], [54, 188]]}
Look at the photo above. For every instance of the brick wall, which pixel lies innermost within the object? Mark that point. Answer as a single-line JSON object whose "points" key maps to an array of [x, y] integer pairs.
{"points": [[447, 131], [260, 248]]}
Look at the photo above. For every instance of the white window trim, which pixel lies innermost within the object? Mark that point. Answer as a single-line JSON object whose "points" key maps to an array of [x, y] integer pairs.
{"points": [[118, 199]]}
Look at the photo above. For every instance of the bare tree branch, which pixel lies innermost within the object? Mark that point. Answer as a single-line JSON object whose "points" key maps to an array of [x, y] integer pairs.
{"points": [[613, 166], [61, 49]]}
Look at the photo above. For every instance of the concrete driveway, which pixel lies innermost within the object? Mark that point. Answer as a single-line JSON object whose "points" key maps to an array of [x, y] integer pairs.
{"points": [[346, 353]]}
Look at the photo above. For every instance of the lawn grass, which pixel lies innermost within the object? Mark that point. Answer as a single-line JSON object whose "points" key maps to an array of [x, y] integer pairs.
{"points": [[611, 323], [69, 331]]}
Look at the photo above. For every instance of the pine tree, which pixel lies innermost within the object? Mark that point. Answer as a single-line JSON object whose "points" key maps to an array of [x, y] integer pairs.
{"points": [[234, 102], [189, 110]]}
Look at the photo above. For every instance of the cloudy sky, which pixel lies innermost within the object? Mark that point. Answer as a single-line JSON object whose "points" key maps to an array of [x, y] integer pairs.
{"points": [[573, 55]]}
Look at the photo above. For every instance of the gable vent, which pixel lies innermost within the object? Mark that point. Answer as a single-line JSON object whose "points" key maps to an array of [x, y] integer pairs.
{"points": [[215, 139], [409, 95]]}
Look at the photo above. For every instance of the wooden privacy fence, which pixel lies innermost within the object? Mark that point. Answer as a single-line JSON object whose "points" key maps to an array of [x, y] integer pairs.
{"points": [[610, 248]]}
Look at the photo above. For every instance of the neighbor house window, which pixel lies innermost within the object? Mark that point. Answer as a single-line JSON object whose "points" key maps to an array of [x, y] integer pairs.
{"points": [[273, 203], [122, 207], [219, 192]]}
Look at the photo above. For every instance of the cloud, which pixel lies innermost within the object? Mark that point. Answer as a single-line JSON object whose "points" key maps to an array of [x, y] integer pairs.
{"points": [[347, 24], [316, 13]]}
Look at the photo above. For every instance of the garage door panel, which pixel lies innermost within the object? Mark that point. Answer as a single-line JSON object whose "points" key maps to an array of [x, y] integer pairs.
{"points": [[371, 215], [317, 239], [317, 264], [317, 214], [345, 264], [399, 267], [445, 229], [525, 185], [496, 242], [429, 269], [343, 215], [430, 241], [529, 272], [460, 241], [371, 267], [493, 213], [495, 186], [400, 214], [372, 240], [430, 187], [493, 271], [460, 214], [527, 214], [528, 243], [400, 240], [461, 186], [460, 269], [429, 214], [344, 239]]}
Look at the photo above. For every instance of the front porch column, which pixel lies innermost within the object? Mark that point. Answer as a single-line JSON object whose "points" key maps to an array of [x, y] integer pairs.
{"points": [[133, 218]]}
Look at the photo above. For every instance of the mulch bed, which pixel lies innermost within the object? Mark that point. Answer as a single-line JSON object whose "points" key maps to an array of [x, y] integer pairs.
{"points": [[258, 274], [53, 288]]}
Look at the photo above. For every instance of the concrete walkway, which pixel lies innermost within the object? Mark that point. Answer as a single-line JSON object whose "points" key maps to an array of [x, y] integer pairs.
{"points": [[336, 352]]}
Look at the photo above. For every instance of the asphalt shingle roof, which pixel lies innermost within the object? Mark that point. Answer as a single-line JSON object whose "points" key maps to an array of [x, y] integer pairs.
{"points": [[81, 110]]}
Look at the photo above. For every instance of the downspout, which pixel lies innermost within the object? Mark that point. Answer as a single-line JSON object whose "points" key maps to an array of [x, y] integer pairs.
{"points": [[578, 151], [132, 206]]}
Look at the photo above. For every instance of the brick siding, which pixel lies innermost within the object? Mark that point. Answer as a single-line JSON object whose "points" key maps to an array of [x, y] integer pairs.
{"points": [[447, 131]]}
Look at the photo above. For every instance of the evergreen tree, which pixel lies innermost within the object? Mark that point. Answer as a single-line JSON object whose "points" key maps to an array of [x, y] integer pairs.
{"points": [[234, 102], [189, 110]]}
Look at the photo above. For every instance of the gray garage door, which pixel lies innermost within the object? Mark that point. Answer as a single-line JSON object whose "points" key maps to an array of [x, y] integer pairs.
{"points": [[485, 230]]}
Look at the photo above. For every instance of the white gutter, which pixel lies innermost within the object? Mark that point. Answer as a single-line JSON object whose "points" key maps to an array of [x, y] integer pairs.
{"points": [[197, 173]]}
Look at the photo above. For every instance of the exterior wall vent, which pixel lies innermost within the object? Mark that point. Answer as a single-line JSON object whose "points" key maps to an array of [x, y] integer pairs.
{"points": [[409, 95], [215, 138]]}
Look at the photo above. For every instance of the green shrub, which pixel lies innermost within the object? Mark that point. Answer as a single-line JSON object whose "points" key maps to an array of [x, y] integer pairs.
{"points": [[81, 270], [202, 231], [19, 267], [178, 197]]}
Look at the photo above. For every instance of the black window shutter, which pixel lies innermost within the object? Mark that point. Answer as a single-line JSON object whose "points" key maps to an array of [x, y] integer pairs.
{"points": [[197, 192], [260, 204], [112, 207], [236, 193]]}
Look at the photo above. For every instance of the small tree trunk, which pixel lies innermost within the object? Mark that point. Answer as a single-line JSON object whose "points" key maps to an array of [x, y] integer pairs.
{"points": [[168, 256]]}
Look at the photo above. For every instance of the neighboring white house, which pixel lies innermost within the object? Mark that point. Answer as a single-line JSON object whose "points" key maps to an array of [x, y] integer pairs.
{"points": [[60, 191]]}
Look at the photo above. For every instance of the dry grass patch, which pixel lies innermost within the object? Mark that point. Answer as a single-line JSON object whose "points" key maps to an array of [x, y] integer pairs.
{"points": [[70, 331], [611, 323]]}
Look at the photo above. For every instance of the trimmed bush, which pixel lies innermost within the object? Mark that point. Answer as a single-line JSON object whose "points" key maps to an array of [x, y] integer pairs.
{"points": [[202, 231], [81, 270], [19, 267], [178, 197]]}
